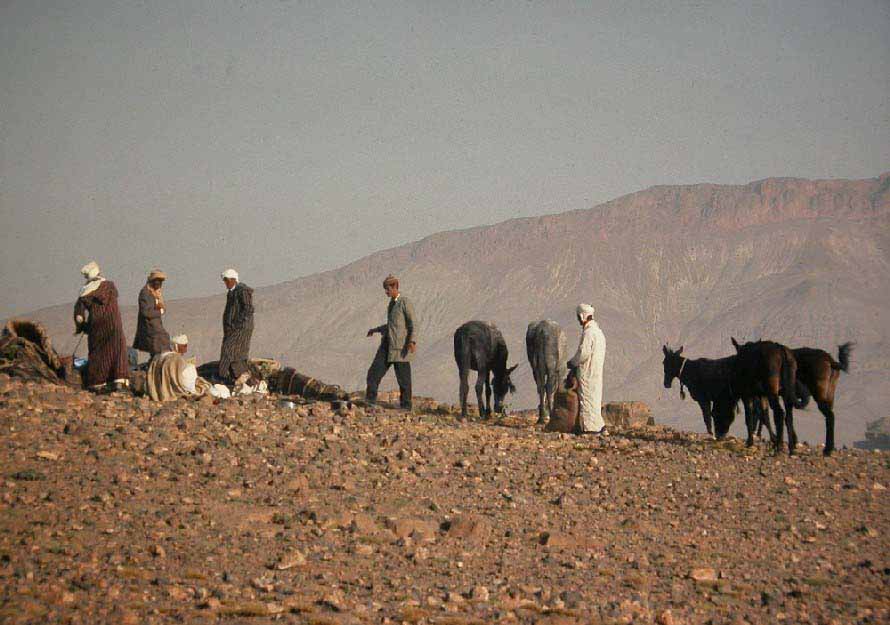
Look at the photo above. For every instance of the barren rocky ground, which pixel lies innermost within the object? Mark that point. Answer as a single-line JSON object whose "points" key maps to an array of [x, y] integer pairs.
{"points": [[117, 510]]}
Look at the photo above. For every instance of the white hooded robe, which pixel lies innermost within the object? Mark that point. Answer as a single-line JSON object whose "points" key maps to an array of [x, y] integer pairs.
{"points": [[588, 361]]}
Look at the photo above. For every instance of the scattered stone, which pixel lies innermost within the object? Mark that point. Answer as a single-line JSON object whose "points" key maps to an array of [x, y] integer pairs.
{"points": [[703, 575]]}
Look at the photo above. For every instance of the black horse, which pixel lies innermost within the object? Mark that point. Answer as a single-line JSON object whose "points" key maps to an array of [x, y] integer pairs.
{"points": [[708, 381], [767, 369], [817, 377], [480, 346]]}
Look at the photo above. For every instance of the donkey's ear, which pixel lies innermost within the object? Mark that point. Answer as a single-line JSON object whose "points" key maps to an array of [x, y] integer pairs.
{"points": [[680, 351], [665, 349], [734, 342]]}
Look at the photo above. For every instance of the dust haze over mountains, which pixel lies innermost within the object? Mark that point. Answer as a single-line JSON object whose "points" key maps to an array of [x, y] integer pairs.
{"points": [[799, 261]]}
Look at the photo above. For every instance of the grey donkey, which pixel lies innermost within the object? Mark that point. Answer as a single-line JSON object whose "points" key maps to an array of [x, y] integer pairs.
{"points": [[545, 344]]}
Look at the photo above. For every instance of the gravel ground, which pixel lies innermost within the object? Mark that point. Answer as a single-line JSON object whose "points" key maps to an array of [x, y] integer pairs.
{"points": [[117, 510]]}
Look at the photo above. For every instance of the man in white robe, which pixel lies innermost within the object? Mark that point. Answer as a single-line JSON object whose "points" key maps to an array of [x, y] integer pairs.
{"points": [[588, 365]]}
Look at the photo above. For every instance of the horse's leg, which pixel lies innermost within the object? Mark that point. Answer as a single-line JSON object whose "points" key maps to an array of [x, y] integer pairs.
{"points": [[764, 419], [706, 415], [480, 384], [758, 417], [749, 420], [464, 391], [542, 390], [789, 423], [778, 417], [826, 409], [551, 391]]}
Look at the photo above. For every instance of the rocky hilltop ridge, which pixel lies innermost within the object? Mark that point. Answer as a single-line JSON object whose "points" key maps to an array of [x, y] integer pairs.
{"points": [[806, 262], [114, 509]]}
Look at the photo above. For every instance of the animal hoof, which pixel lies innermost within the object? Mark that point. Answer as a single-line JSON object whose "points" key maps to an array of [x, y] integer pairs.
{"points": [[827, 452]]}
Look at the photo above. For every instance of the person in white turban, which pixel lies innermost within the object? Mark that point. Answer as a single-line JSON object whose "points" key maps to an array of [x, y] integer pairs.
{"points": [[237, 328], [588, 366], [96, 314], [171, 375]]}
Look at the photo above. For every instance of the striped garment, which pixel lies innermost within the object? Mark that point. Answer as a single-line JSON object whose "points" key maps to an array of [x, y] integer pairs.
{"points": [[237, 330], [105, 335]]}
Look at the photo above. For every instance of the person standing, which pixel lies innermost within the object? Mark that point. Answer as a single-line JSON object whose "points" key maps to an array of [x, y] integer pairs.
{"points": [[397, 345], [588, 365], [151, 336], [237, 328], [96, 313]]}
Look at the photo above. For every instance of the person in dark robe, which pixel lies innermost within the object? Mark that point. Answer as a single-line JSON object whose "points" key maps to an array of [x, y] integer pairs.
{"points": [[96, 313], [151, 336], [237, 328]]}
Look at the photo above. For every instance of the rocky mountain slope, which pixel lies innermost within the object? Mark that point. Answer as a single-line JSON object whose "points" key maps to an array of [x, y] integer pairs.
{"points": [[800, 261]]}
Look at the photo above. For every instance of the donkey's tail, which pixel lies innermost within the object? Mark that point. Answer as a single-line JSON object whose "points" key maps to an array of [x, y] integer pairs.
{"points": [[843, 357]]}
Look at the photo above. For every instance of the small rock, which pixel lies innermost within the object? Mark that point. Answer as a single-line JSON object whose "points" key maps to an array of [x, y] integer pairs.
{"points": [[703, 575], [262, 583], [290, 560], [479, 593]]}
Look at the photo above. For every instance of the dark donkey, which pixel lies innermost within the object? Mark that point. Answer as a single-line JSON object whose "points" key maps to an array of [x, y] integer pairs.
{"points": [[767, 369], [480, 346], [708, 381], [817, 376]]}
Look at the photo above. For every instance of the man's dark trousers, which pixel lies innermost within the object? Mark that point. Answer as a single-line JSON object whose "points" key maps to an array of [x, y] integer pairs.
{"points": [[378, 369]]}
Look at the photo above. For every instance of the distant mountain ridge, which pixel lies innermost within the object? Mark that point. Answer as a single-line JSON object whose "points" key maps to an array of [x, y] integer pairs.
{"points": [[805, 262]]}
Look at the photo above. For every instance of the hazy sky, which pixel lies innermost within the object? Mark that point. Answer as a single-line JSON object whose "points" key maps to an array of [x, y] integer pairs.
{"points": [[285, 137]]}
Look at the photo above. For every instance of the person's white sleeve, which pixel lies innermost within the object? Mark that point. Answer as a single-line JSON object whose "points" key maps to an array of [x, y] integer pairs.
{"points": [[189, 378]]}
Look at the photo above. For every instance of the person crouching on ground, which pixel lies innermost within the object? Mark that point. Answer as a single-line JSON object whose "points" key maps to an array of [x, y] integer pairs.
{"points": [[237, 328], [588, 366], [171, 375], [151, 336], [96, 313], [397, 345]]}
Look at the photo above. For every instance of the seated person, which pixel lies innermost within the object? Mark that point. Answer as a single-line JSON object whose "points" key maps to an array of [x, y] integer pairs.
{"points": [[171, 375]]}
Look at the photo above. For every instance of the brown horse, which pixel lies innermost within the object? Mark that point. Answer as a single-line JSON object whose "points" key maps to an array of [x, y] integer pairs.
{"points": [[767, 369], [818, 372]]}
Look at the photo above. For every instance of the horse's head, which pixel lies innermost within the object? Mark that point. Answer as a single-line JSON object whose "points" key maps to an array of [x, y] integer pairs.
{"points": [[502, 385], [672, 362]]}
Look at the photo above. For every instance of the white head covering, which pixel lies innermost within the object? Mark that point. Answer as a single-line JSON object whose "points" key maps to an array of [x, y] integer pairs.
{"points": [[584, 311], [90, 271], [180, 339], [230, 273]]}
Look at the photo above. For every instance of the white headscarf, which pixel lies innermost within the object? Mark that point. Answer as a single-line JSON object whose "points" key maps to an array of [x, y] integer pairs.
{"points": [[90, 272], [584, 311], [230, 273], [180, 339]]}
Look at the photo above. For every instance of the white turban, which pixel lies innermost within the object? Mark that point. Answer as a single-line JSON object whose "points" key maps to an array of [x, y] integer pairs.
{"points": [[180, 339], [90, 271], [584, 311], [230, 273]]}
